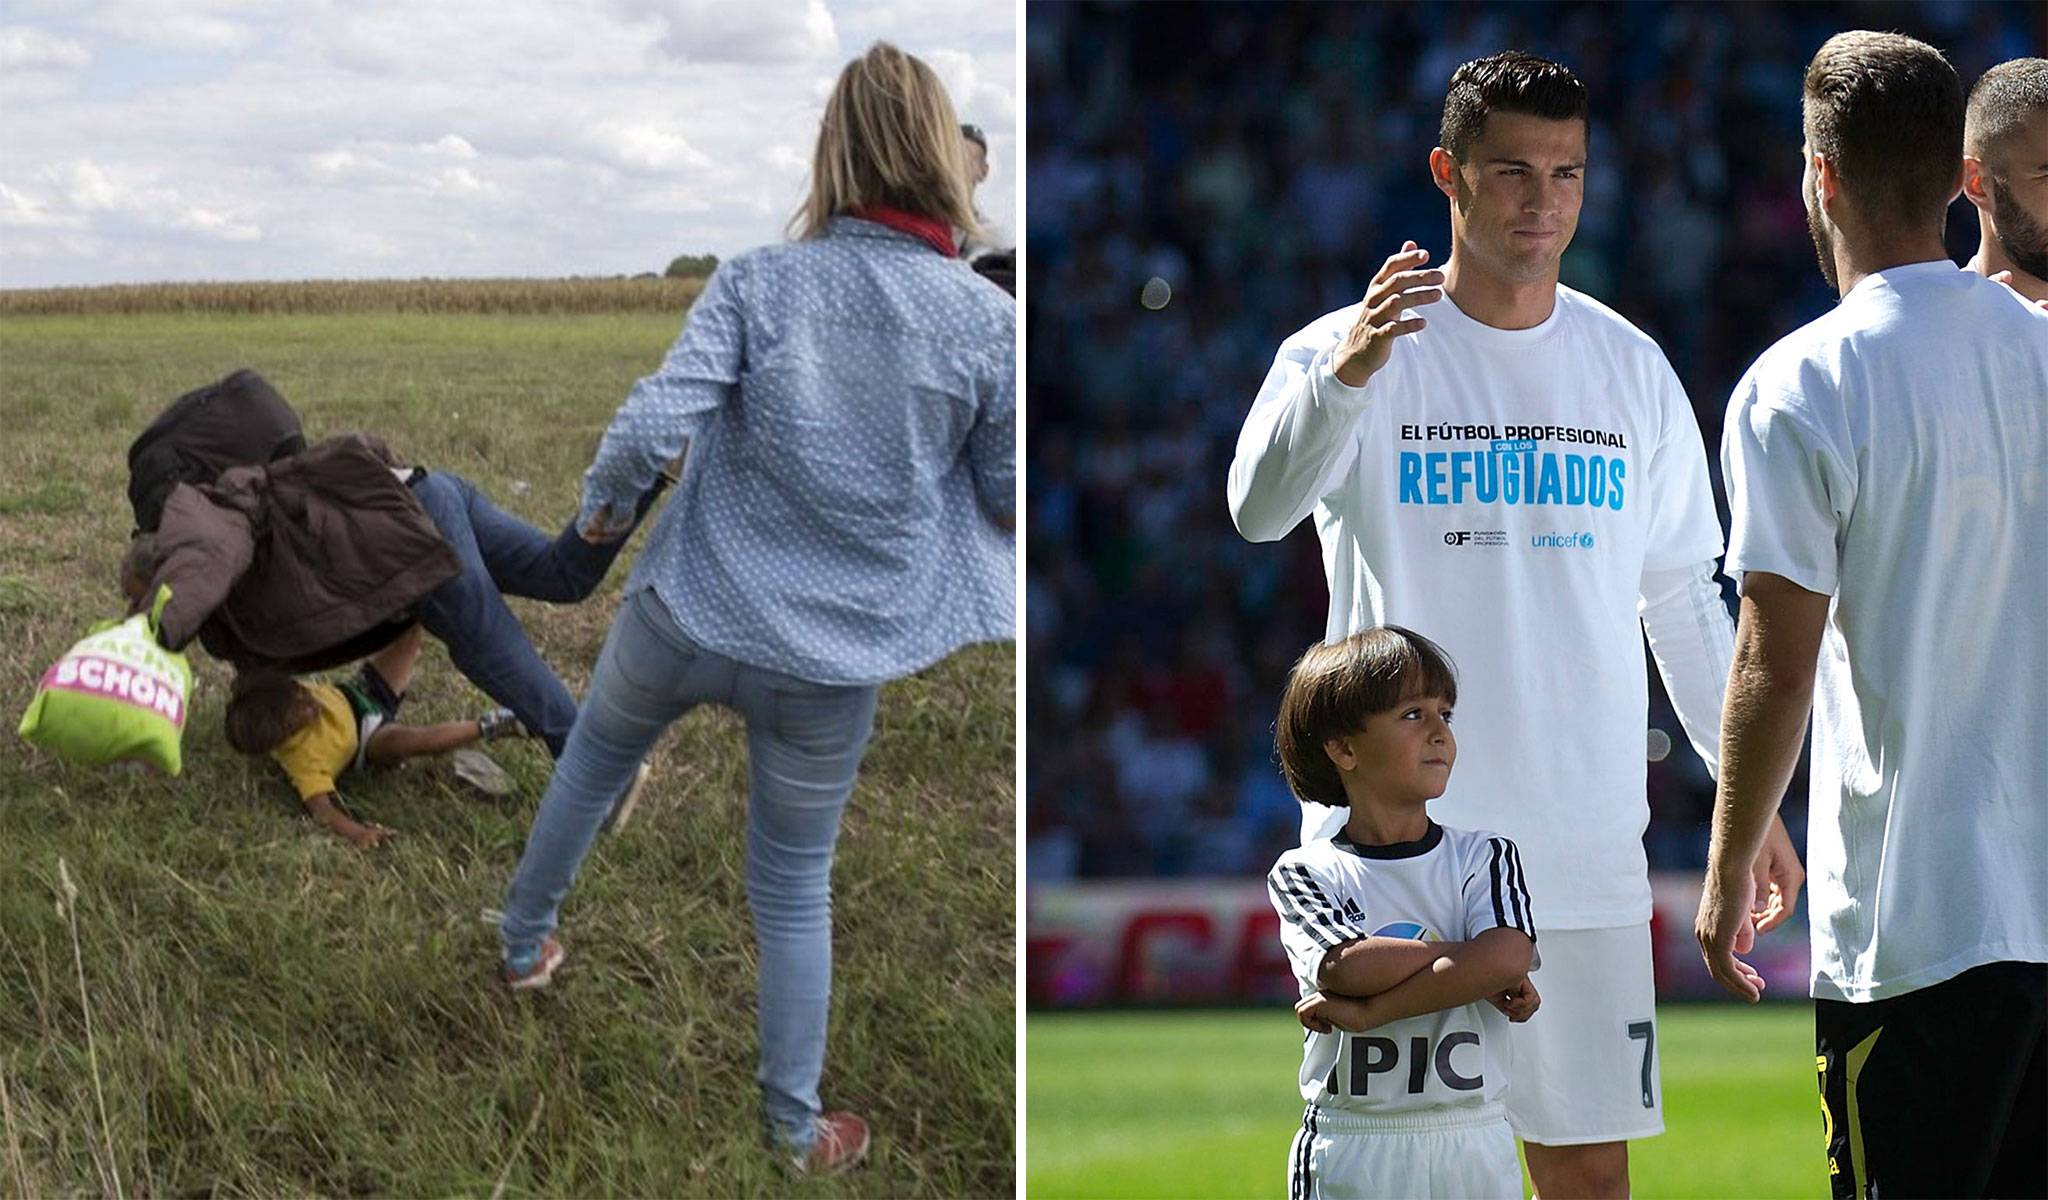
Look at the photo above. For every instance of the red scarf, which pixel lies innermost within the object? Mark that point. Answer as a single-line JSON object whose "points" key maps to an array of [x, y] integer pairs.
{"points": [[930, 230]]}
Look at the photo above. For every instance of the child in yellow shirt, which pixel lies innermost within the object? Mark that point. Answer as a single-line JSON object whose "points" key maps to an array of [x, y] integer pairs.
{"points": [[317, 731]]}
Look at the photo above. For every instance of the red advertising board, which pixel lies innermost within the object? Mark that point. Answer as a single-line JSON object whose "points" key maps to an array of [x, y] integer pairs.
{"points": [[1217, 941]]}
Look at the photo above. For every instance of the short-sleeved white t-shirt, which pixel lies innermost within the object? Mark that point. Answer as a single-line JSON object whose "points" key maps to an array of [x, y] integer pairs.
{"points": [[1894, 455], [1502, 494], [1449, 886]]}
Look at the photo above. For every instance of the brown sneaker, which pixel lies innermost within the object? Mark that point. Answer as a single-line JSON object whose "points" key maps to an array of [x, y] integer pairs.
{"points": [[841, 1144]]}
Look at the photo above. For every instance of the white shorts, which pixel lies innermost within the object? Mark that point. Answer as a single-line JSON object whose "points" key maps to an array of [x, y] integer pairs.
{"points": [[1584, 1068], [1465, 1153]]}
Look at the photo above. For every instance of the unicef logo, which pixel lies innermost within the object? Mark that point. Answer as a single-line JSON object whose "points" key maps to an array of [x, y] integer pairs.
{"points": [[1582, 540], [1407, 929], [1586, 540]]}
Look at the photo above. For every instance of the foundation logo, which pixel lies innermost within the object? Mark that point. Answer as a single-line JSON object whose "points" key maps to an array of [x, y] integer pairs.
{"points": [[1475, 537], [1407, 929]]}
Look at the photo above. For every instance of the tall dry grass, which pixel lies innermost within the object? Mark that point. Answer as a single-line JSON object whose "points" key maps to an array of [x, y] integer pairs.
{"points": [[540, 297]]}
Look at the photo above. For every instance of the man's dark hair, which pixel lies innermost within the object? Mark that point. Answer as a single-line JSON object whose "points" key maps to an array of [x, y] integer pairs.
{"points": [[265, 708], [138, 570], [1887, 110], [2002, 98], [974, 134], [1333, 688], [1510, 82]]}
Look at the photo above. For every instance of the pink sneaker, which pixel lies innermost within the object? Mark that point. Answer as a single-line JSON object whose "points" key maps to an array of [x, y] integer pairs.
{"points": [[542, 970], [841, 1144]]}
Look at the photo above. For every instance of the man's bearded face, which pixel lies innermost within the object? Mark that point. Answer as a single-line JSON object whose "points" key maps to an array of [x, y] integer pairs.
{"points": [[2022, 234], [1823, 245]]}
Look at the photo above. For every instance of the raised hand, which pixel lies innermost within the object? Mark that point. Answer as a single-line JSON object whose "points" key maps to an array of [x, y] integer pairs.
{"points": [[1401, 284]]}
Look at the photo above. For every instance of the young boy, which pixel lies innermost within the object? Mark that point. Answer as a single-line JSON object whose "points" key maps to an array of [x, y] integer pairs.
{"points": [[318, 731], [1397, 929]]}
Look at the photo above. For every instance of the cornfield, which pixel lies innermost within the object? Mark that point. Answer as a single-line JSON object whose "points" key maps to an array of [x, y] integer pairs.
{"points": [[533, 296]]}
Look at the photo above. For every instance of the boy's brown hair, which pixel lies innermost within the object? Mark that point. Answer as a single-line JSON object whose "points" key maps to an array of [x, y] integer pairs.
{"points": [[1335, 686], [264, 709]]}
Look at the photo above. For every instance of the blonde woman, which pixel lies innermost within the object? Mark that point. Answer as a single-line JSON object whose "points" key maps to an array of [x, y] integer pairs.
{"points": [[847, 400]]}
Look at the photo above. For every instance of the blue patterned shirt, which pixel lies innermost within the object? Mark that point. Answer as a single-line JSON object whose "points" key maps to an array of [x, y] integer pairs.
{"points": [[849, 404]]}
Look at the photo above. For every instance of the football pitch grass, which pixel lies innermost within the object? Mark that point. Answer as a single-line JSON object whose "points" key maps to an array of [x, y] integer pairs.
{"points": [[1202, 1104]]}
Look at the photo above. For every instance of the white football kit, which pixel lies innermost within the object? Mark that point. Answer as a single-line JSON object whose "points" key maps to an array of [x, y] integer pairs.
{"points": [[1411, 1108], [1894, 455], [1532, 500]]}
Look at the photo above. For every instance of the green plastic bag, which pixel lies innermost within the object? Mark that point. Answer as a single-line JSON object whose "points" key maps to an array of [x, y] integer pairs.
{"points": [[116, 696]]}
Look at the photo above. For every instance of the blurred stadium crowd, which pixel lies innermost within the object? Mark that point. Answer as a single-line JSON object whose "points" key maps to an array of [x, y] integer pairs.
{"points": [[1261, 161]]}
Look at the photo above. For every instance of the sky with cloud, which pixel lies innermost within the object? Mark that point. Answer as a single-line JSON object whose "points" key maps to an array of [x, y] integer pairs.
{"points": [[149, 140]]}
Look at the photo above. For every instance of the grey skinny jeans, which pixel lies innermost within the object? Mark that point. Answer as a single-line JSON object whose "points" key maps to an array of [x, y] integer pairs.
{"points": [[804, 746]]}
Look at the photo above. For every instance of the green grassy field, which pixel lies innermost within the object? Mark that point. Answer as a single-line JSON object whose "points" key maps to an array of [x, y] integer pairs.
{"points": [[1203, 1104], [234, 1003]]}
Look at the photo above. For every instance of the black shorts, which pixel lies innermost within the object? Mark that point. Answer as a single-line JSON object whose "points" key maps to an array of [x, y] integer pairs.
{"points": [[1939, 1092], [374, 703]]}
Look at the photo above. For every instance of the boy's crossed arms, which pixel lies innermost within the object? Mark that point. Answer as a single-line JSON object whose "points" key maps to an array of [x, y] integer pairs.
{"points": [[1371, 981]]}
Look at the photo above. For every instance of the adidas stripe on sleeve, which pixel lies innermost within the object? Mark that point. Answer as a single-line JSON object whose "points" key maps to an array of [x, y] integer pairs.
{"points": [[1496, 891], [1311, 921]]}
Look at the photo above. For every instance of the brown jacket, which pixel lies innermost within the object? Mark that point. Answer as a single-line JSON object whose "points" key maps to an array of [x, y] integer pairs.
{"points": [[300, 565]]}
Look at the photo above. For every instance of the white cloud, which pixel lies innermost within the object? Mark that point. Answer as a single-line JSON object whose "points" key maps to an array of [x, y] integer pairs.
{"points": [[452, 146], [90, 188], [460, 182], [20, 210], [728, 31], [212, 224], [26, 48], [638, 146], [200, 26]]}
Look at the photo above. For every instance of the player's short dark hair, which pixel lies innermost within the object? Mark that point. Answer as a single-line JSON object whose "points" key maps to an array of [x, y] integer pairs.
{"points": [[974, 134], [1511, 82], [265, 708], [2001, 99], [1887, 110], [1334, 687]]}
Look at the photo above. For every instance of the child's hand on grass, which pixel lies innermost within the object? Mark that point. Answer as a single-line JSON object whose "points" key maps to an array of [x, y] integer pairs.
{"points": [[1519, 1002], [365, 836], [1319, 1012]]}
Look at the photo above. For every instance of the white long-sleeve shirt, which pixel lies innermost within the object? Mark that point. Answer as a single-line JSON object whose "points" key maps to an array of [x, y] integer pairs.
{"points": [[1531, 500]]}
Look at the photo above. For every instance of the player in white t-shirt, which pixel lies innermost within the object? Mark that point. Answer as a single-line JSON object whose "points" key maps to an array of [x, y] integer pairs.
{"points": [[1887, 472], [1515, 471], [1412, 942]]}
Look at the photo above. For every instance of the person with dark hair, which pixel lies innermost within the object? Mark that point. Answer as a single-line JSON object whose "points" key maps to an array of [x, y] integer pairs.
{"points": [[1513, 468], [318, 731], [2005, 174], [1398, 927], [1889, 530]]}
